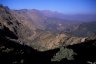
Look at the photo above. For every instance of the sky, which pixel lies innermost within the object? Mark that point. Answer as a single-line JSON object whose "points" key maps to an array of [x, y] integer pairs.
{"points": [[64, 6]]}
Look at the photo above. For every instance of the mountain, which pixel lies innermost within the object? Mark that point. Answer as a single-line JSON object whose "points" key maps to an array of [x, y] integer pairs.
{"points": [[27, 35], [12, 52], [70, 17], [54, 21], [33, 28]]}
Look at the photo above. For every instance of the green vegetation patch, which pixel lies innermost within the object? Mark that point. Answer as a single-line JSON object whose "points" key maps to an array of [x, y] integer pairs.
{"points": [[64, 53]]}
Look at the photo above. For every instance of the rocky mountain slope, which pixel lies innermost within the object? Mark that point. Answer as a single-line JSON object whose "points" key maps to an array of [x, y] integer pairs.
{"points": [[32, 28], [13, 53], [25, 33]]}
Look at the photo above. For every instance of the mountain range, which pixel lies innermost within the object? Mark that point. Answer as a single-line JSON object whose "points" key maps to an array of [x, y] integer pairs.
{"points": [[45, 30], [37, 35]]}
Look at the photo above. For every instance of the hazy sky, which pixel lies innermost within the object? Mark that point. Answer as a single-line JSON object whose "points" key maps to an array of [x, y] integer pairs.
{"points": [[64, 6]]}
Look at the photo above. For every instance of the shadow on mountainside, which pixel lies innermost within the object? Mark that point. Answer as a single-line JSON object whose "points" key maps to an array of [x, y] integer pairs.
{"points": [[13, 53]]}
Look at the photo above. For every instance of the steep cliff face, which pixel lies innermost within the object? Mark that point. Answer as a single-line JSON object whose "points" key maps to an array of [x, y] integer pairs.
{"points": [[8, 23]]}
